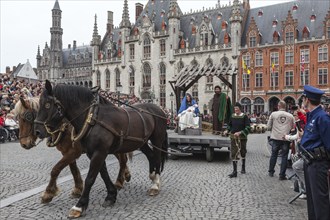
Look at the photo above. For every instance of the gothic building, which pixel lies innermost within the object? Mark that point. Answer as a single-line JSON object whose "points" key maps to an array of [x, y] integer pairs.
{"points": [[144, 56], [72, 65]]}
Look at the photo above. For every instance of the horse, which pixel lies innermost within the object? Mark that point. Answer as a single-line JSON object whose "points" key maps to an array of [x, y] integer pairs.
{"points": [[103, 128], [25, 111]]}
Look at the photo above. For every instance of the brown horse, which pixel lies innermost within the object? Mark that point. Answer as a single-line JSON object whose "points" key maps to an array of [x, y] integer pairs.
{"points": [[104, 129], [25, 111]]}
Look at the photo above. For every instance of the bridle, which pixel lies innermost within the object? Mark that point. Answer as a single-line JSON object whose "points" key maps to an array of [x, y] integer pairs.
{"points": [[28, 116]]}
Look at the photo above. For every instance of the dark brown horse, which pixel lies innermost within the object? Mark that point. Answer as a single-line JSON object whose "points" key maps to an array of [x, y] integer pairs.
{"points": [[104, 129], [25, 111]]}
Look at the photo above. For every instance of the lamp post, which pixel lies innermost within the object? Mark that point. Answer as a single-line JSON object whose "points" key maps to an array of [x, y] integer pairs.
{"points": [[119, 88], [172, 99]]}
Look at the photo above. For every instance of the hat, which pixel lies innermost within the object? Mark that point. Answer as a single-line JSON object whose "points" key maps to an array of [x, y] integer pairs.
{"points": [[313, 93]]}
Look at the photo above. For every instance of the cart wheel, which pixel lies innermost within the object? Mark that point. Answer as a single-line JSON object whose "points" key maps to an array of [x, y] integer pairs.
{"points": [[209, 154]]}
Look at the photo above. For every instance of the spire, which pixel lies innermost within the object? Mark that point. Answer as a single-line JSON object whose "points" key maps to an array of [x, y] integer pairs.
{"points": [[56, 6], [125, 23], [95, 32], [236, 12], [38, 53], [174, 11], [46, 45]]}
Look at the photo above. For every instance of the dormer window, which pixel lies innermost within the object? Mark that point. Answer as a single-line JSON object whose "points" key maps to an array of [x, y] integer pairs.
{"points": [[276, 37], [275, 21], [289, 34], [193, 29], [182, 44], [224, 25], [206, 18], [295, 7], [192, 20], [260, 13], [136, 31], [313, 17], [219, 15], [306, 32], [227, 38], [146, 46]]}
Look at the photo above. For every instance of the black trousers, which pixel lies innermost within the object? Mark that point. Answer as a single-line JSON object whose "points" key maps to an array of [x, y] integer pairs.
{"points": [[317, 190]]}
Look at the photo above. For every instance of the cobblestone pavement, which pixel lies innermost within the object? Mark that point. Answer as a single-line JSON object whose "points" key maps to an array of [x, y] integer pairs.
{"points": [[191, 188]]}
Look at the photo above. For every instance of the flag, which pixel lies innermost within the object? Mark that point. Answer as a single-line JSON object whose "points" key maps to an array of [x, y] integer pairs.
{"points": [[273, 67], [245, 67], [302, 62]]}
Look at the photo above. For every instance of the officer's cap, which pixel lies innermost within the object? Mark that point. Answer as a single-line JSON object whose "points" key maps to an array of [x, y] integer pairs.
{"points": [[312, 92]]}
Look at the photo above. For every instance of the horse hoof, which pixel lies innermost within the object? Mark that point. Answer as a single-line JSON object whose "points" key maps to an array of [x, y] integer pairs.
{"points": [[46, 197], [152, 175], [128, 178], [153, 192], [75, 212], [108, 203], [76, 193], [118, 185]]}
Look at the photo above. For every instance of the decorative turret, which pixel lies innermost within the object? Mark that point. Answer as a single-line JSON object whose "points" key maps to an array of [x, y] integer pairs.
{"points": [[125, 22], [96, 41], [236, 12], [174, 11], [236, 27], [38, 57]]}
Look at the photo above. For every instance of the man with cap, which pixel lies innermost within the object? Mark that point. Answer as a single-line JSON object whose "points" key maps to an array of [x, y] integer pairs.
{"points": [[316, 142], [238, 128]]}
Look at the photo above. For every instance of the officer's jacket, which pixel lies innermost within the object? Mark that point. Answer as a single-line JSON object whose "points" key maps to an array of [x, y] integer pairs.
{"points": [[317, 130]]}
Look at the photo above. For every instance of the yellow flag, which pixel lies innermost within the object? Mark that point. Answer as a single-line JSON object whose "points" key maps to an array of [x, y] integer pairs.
{"points": [[248, 71]]}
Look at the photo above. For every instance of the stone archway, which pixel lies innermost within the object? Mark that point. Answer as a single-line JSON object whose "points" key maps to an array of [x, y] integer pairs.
{"points": [[273, 102], [289, 102]]}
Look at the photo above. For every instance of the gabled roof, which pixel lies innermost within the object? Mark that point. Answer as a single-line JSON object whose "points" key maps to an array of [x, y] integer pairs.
{"points": [[280, 12]]}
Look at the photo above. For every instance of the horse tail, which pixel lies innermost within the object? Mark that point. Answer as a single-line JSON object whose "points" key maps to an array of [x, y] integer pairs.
{"points": [[130, 156], [164, 154]]}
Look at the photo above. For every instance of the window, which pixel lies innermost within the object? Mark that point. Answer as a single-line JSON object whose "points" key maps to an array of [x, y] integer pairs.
{"points": [[289, 78], [98, 78], [304, 56], [323, 76], [323, 53], [146, 47], [253, 41], [131, 52], [289, 57], [162, 48], [259, 59], [246, 105], [246, 59], [117, 77], [328, 30], [304, 77], [206, 39], [274, 80], [246, 81], [131, 78], [162, 84], [259, 105], [258, 79], [146, 75], [209, 83], [274, 58], [289, 37], [107, 79]]}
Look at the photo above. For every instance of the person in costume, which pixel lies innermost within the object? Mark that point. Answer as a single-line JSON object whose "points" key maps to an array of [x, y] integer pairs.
{"points": [[221, 110], [188, 113]]}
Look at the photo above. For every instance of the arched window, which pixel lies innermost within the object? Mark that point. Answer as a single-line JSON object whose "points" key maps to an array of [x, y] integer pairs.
{"points": [[289, 35], [246, 105], [98, 78], [162, 85], [195, 91], [107, 79], [259, 105], [131, 80], [117, 77], [146, 47], [146, 75]]}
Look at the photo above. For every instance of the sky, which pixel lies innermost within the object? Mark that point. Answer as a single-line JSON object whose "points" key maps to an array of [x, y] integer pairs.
{"points": [[25, 24]]}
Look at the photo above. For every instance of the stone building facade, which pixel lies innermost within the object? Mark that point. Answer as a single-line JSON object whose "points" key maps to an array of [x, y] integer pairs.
{"points": [[144, 56], [72, 65]]}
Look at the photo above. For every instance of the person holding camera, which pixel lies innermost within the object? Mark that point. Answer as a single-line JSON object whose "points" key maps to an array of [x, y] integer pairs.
{"points": [[315, 143]]}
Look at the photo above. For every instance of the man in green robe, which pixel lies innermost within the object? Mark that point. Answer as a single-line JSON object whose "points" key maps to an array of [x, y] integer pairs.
{"points": [[221, 110]]}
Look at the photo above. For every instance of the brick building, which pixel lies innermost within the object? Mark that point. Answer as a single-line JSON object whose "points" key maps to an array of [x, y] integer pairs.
{"points": [[284, 47]]}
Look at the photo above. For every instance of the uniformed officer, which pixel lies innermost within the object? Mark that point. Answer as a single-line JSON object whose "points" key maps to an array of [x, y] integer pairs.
{"points": [[316, 142]]}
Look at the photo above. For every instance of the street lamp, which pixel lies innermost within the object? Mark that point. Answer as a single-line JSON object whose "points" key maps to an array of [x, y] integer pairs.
{"points": [[119, 88], [172, 99]]}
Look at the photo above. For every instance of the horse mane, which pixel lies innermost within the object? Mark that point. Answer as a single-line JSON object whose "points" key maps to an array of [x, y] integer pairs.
{"points": [[73, 96], [33, 103]]}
